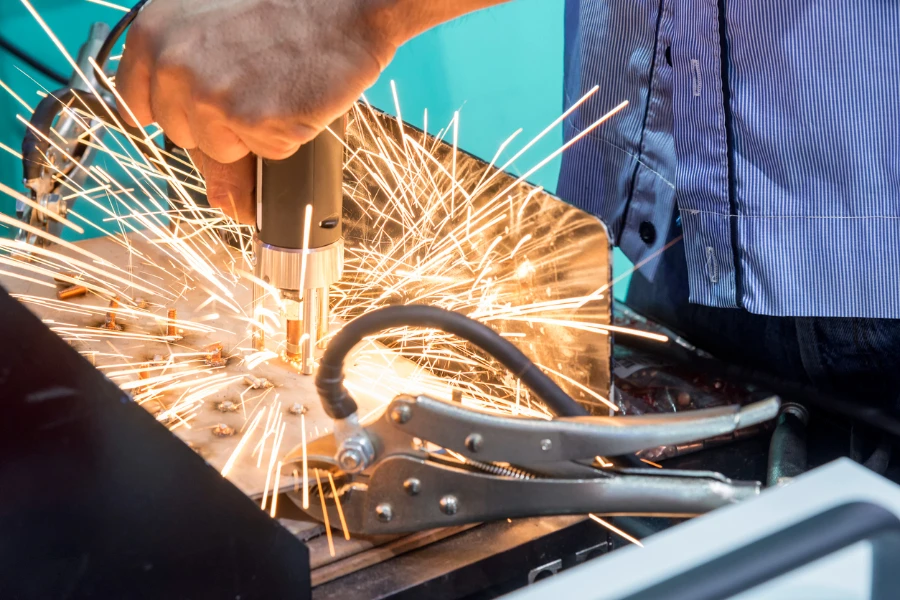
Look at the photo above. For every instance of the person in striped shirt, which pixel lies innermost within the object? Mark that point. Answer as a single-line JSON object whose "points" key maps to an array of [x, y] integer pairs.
{"points": [[754, 180]]}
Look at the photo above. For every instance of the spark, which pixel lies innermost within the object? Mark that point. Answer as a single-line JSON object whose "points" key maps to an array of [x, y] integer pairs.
{"points": [[229, 464], [109, 5], [305, 464], [325, 514], [337, 502], [275, 489], [616, 530]]}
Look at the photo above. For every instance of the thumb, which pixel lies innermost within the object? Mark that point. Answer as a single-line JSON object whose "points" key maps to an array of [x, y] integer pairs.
{"points": [[229, 187]]}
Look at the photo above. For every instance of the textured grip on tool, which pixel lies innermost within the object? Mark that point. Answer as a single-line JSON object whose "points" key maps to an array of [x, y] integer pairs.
{"points": [[314, 176], [338, 403], [330, 384]]}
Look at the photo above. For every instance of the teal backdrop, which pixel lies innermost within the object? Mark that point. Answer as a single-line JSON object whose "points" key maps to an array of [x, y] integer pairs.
{"points": [[500, 68]]}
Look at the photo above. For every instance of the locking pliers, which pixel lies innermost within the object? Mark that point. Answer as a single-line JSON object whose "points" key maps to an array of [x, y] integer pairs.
{"points": [[425, 463]]}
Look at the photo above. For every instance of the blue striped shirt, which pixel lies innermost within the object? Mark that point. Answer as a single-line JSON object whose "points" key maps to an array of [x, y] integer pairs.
{"points": [[773, 125]]}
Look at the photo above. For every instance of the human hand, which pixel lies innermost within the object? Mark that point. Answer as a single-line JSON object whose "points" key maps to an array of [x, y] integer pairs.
{"points": [[226, 78]]}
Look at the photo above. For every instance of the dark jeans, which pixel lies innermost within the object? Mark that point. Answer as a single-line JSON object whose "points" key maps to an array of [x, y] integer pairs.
{"points": [[854, 359]]}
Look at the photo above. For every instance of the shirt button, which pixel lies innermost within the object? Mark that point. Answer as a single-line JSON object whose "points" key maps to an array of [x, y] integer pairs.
{"points": [[647, 232]]}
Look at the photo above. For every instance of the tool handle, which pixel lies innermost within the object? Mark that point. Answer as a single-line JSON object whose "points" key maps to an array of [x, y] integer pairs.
{"points": [[313, 176]]}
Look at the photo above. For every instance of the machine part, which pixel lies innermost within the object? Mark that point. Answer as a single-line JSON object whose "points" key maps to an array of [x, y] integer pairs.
{"points": [[455, 496], [73, 291], [299, 246], [281, 267], [293, 339], [762, 545], [544, 571], [485, 561], [535, 440], [227, 406], [355, 453], [69, 423], [787, 449], [454, 490]]}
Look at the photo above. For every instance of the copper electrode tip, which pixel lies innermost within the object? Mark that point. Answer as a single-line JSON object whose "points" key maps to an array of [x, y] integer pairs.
{"points": [[171, 330], [73, 291], [294, 333]]}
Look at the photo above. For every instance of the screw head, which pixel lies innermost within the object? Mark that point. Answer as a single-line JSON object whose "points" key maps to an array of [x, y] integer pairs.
{"points": [[546, 445], [474, 442], [401, 414], [449, 505], [349, 459], [384, 512], [412, 486]]}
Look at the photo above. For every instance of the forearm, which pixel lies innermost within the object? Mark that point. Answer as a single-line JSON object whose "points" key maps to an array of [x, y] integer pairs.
{"points": [[401, 20]]}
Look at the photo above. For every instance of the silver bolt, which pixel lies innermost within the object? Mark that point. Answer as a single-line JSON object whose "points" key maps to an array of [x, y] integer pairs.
{"points": [[349, 459], [449, 505], [384, 512], [546, 445], [474, 442], [412, 486], [401, 414]]}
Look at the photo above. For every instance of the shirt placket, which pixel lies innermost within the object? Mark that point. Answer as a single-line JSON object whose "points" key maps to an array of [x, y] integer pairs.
{"points": [[704, 196], [652, 197]]}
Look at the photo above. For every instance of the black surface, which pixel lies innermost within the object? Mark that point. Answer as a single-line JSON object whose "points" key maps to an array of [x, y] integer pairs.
{"points": [[313, 176], [787, 550], [480, 564], [98, 500]]}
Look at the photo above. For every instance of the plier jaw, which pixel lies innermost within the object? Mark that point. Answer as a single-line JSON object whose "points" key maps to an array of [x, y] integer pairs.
{"points": [[433, 464]]}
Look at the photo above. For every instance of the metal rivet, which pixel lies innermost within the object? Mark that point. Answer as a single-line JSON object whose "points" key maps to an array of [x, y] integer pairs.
{"points": [[474, 442], [546, 445], [412, 486], [401, 414], [449, 505], [385, 512]]}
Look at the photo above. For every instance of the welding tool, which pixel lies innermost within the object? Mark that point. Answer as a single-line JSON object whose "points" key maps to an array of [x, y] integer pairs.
{"points": [[298, 246], [428, 463], [47, 167]]}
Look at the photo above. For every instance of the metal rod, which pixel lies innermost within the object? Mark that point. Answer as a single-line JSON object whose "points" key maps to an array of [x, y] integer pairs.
{"points": [[308, 343]]}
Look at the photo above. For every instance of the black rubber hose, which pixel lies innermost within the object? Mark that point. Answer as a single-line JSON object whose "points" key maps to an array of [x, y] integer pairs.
{"points": [[113, 38], [32, 62], [34, 147], [338, 403]]}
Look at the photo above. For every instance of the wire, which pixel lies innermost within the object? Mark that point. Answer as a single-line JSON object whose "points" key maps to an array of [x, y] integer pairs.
{"points": [[32, 62], [113, 38], [35, 147], [338, 403]]}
